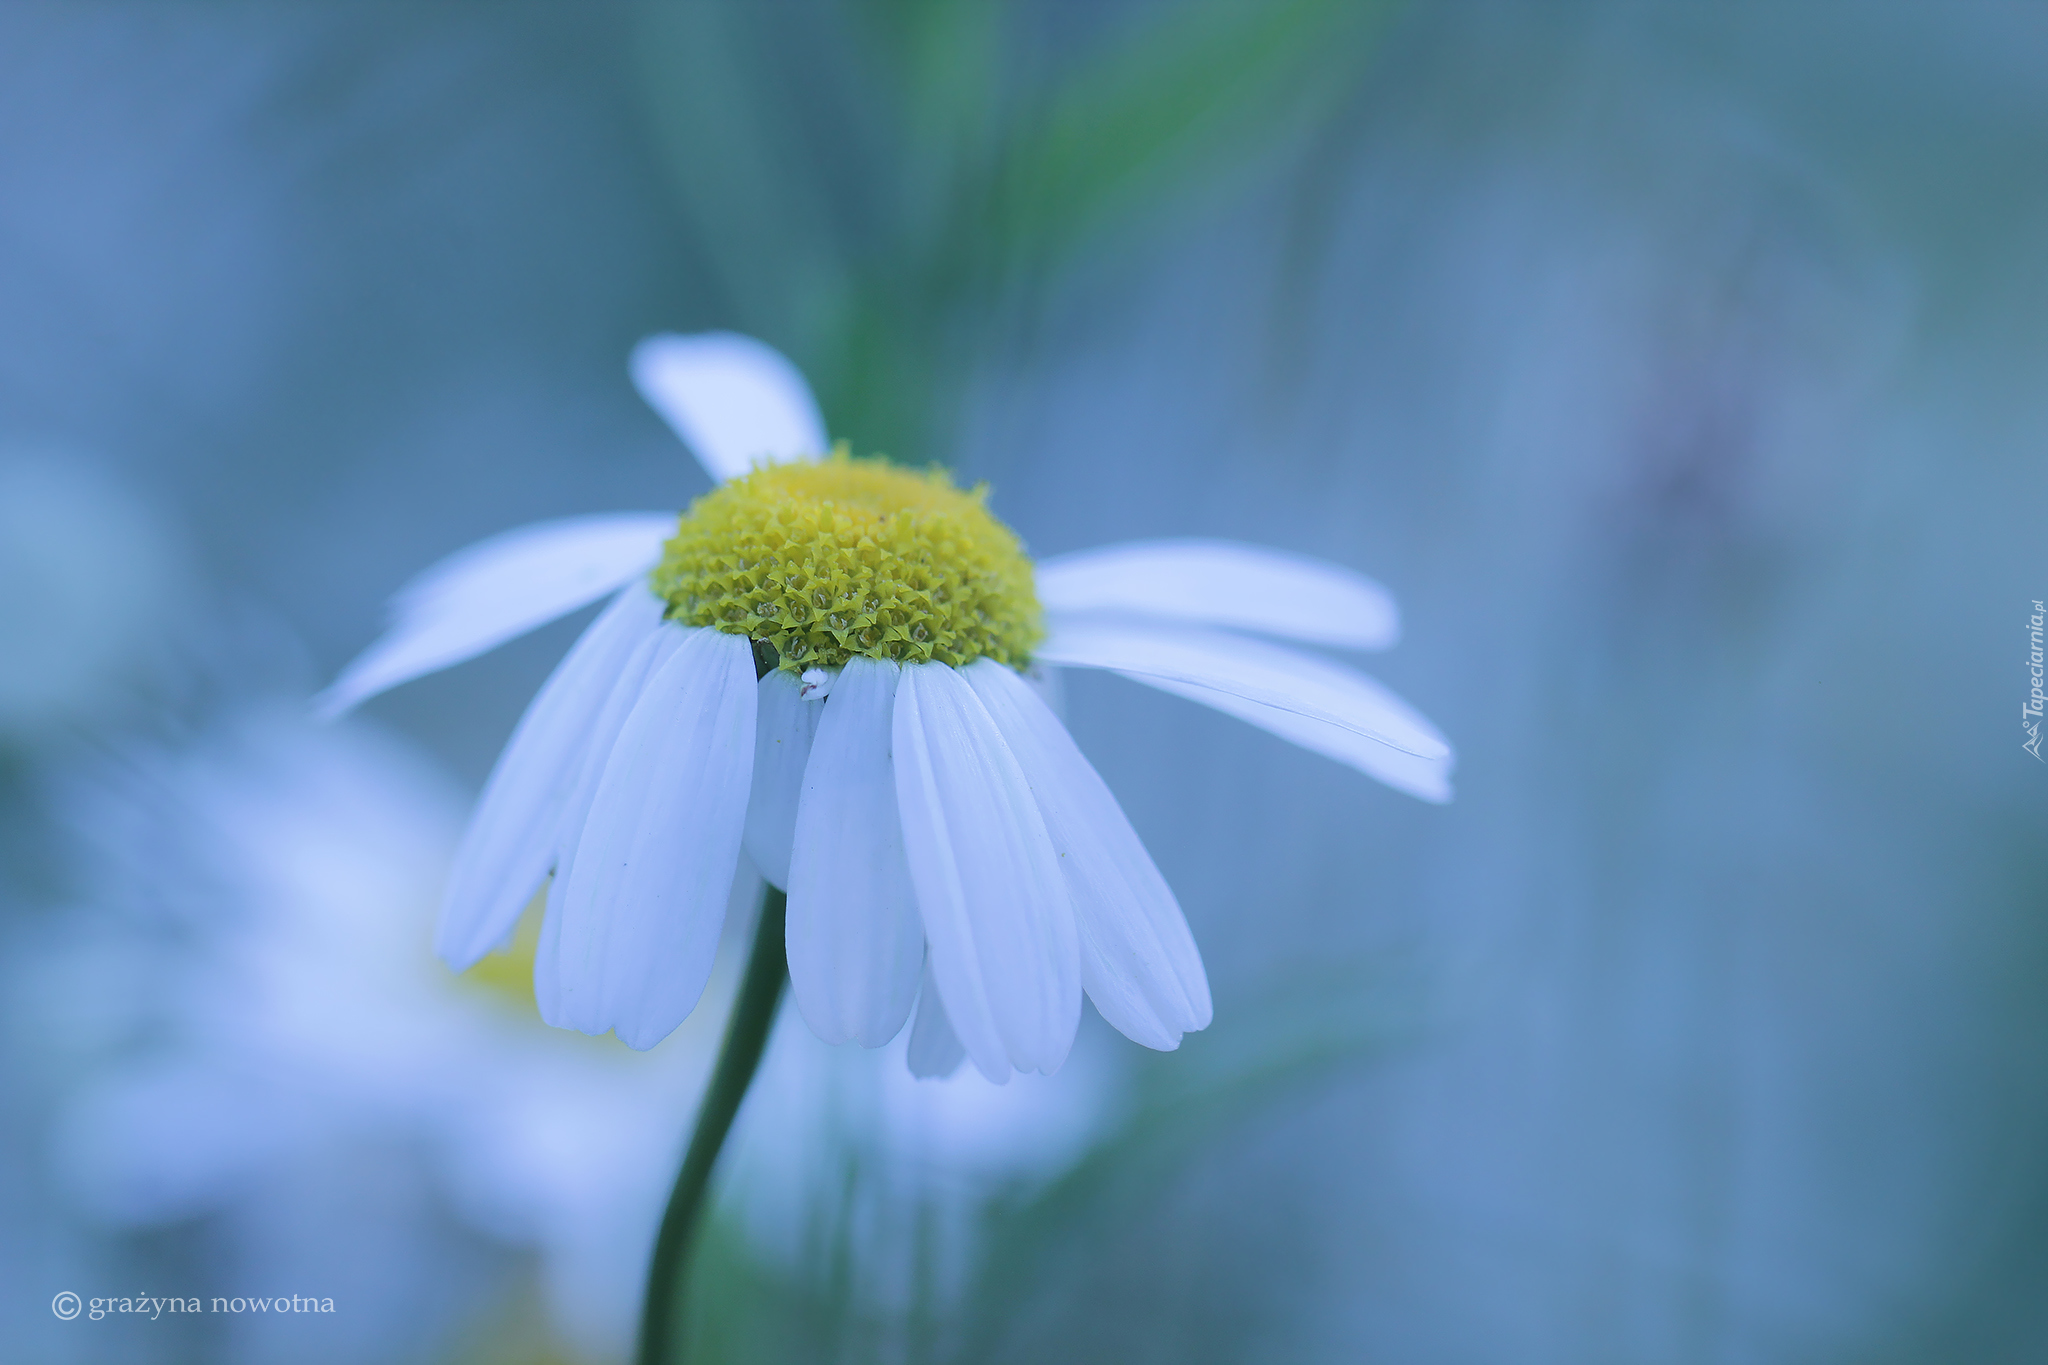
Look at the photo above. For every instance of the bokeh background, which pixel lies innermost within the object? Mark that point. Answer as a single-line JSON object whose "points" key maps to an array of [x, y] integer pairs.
{"points": [[1679, 367]]}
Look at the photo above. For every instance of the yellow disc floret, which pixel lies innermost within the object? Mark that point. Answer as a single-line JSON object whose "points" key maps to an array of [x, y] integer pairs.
{"points": [[842, 557]]}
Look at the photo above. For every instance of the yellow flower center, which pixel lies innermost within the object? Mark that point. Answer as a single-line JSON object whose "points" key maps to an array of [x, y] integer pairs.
{"points": [[842, 557]]}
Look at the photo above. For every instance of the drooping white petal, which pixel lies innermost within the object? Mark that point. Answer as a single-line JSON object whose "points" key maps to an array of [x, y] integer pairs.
{"points": [[1139, 963], [478, 598], [1312, 702], [643, 663], [782, 744], [996, 910], [1426, 779], [1224, 583], [647, 891], [935, 1051], [735, 401], [855, 941], [510, 842]]}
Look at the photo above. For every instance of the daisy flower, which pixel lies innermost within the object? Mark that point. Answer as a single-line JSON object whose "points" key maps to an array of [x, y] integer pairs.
{"points": [[825, 662]]}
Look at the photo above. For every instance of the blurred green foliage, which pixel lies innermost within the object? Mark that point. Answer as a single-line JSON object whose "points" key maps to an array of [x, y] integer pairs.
{"points": [[883, 191]]}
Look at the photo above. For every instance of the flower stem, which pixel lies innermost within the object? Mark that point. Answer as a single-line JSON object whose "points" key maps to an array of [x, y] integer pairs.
{"points": [[746, 1035]]}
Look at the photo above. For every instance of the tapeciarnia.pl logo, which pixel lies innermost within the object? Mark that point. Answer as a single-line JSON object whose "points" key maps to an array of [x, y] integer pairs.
{"points": [[2030, 714]]}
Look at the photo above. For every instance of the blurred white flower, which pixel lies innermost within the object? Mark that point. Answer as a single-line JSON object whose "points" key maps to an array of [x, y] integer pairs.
{"points": [[302, 1027], [931, 821], [849, 1139]]}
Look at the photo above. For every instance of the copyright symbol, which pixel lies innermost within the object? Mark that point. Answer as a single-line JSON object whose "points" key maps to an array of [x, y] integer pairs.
{"points": [[65, 1305]]}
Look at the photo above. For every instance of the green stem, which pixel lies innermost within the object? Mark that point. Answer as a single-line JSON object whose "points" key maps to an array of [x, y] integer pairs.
{"points": [[746, 1035]]}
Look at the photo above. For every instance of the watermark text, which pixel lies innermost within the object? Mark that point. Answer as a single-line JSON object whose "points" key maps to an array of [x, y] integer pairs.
{"points": [[68, 1305], [2030, 714]]}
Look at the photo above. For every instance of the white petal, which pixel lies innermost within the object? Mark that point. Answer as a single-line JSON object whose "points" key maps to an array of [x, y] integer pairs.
{"points": [[935, 1051], [646, 659], [510, 842], [1139, 963], [478, 598], [782, 744], [1224, 583], [1427, 779], [735, 401], [855, 941], [995, 908], [1295, 695], [643, 663], [647, 892]]}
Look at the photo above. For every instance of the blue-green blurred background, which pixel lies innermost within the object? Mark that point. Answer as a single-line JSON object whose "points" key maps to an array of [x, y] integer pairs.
{"points": [[1679, 366]]}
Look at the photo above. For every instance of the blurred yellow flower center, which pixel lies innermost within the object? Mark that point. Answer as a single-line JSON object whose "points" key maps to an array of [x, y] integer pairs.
{"points": [[506, 979], [842, 557], [508, 975]]}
